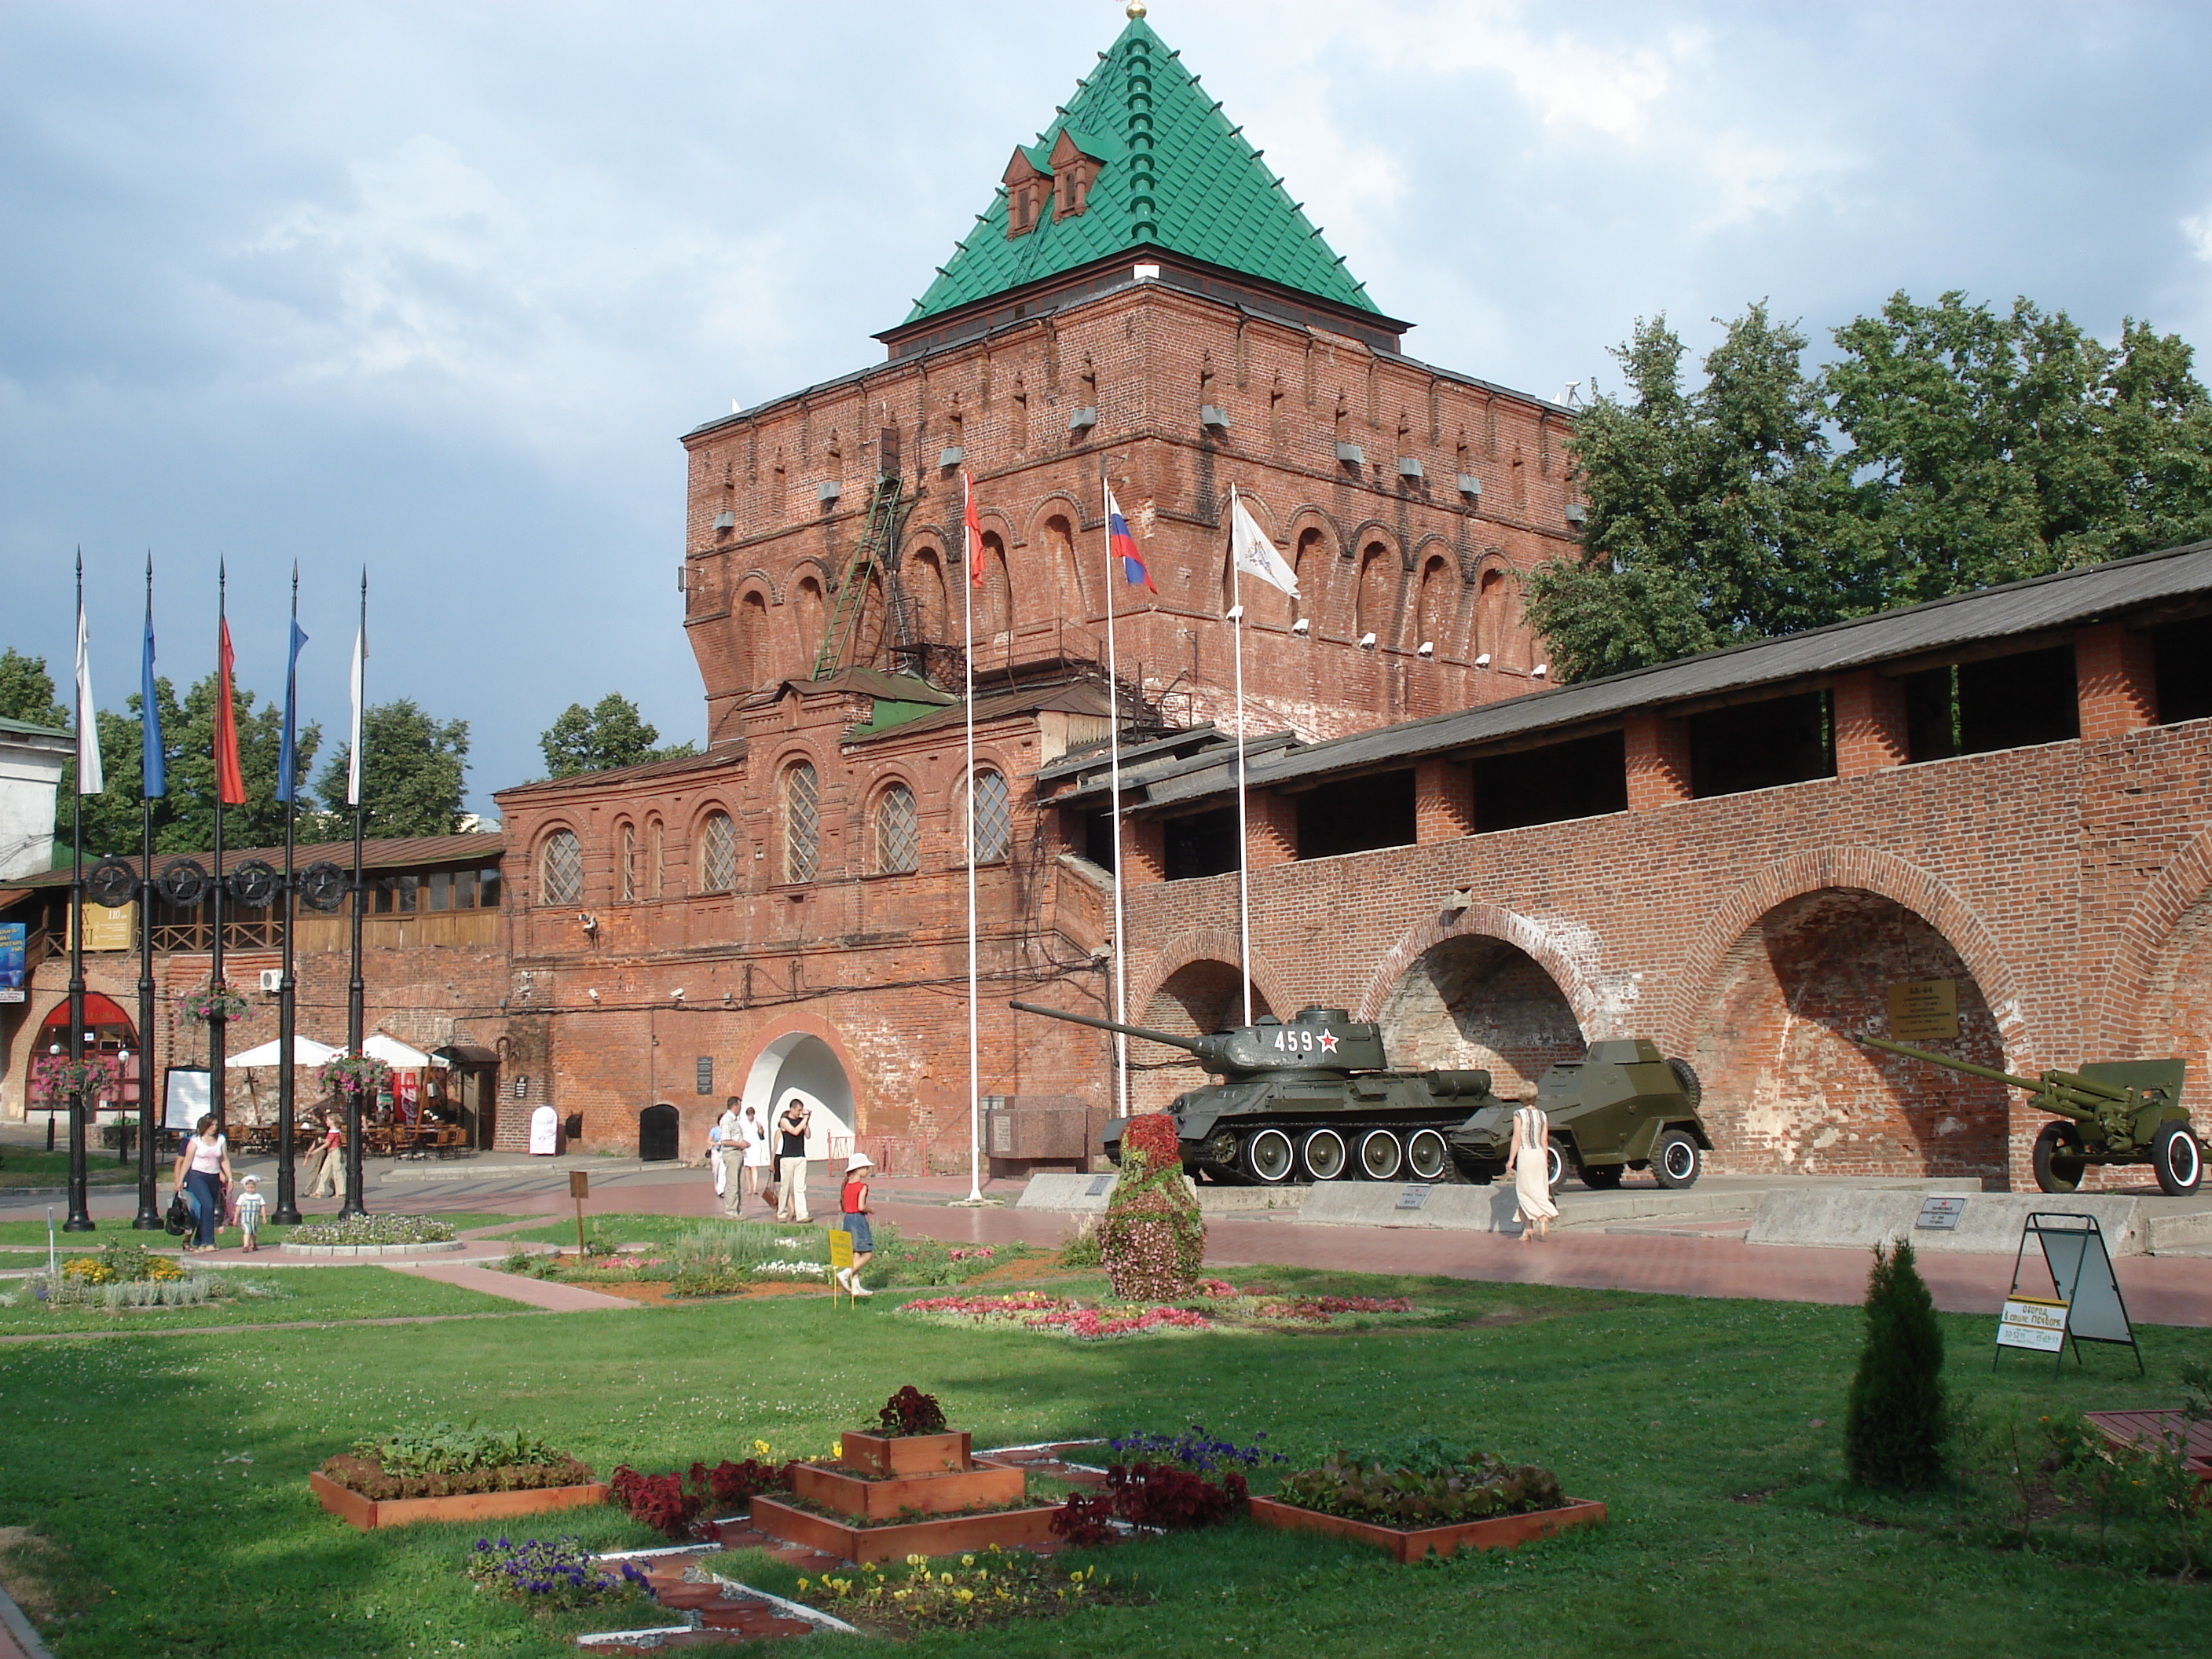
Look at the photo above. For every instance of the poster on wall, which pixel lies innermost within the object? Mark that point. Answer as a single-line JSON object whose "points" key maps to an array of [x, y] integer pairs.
{"points": [[188, 1095], [11, 961], [111, 930]]}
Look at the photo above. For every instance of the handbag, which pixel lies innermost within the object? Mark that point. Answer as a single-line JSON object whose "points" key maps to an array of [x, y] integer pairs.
{"points": [[179, 1220]]}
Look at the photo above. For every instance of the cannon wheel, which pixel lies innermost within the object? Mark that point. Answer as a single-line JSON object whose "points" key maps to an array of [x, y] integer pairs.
{"points": [[2058, 1159], [1674, 1158], [2178, 1160]]}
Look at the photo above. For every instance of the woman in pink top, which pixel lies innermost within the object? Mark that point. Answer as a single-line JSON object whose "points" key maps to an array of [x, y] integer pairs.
{"points": [[202, 1174]]}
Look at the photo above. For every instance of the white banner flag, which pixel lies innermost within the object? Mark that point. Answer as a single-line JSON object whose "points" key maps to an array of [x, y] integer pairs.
{"points": [[353, 751], [1255, 554], [90, 780]]}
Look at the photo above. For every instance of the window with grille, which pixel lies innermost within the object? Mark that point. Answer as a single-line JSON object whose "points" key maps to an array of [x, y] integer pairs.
{"points": [[802, 824], [653, 864], [561, 859], [993, 822], [898, 832], [718, 854], [629, 863]]}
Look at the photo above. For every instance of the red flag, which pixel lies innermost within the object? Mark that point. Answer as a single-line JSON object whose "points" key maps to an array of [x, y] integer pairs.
{"points": [[974, 535], [229, 782]]}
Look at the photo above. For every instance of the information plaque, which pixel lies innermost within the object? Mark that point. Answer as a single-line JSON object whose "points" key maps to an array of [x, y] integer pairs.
{"points": [[2030, 1322], [1940, 1213]]}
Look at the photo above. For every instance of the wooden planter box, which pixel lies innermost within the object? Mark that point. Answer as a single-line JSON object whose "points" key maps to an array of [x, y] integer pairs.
{"points": [[370, 1513], [1501, 1532], [904, 1454], [1008, 1529], [933, 1494]]}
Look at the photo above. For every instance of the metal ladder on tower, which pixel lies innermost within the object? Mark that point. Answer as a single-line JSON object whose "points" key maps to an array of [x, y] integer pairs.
{"points": [[885, 508]]}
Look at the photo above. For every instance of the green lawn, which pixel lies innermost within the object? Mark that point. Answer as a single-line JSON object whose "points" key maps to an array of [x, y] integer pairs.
{"points": [[292, 1293], [1692, 1419], [22, 1167], [33, 1234]]}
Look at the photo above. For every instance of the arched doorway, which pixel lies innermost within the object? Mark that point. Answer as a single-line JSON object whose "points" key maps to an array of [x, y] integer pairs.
{"points": [[806, 1066], [1786, 1090], [1198, 999], [1479, 1002], [110, 1034]]}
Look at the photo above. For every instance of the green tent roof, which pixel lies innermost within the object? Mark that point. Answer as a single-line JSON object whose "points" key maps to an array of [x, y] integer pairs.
{"points": [[1175, 175]]}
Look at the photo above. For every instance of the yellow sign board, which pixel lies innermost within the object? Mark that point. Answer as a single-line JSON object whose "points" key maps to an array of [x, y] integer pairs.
{"points": [[1924, 1009], [840, 1247], [111, 930]]}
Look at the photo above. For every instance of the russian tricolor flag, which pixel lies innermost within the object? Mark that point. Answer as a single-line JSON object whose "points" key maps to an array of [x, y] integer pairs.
{"points": [[1124, 547]]}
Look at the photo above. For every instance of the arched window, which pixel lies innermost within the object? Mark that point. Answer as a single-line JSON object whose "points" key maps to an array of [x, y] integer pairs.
{"points": [[754, 662], [898, 832], [802, 823], [1378, 591], [993, 819], [652, 862], [1438, 614], [626, 874], [718, 854], [561, 862]]}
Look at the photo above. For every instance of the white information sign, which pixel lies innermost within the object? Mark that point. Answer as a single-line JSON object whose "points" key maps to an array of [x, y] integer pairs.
{"points": [[190, 1096], [2030, 1322]]}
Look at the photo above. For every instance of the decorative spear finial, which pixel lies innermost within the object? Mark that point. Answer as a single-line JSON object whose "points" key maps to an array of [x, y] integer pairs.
{"points": [[1135, 9]]}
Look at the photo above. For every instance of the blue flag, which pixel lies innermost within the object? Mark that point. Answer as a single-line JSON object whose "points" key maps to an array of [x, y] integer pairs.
{"points": [[285, 766], [152, 768]]}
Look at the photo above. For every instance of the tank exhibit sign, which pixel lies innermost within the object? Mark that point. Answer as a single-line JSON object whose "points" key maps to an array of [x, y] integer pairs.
{"points": [[11, 961]]}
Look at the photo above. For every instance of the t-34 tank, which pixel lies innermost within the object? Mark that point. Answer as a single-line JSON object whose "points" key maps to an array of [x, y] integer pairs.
{"points": [[1313, 1098]]}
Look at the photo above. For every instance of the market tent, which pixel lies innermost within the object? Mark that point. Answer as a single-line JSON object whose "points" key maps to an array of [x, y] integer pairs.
{"points": [[305, 1051], [398, 1056]]}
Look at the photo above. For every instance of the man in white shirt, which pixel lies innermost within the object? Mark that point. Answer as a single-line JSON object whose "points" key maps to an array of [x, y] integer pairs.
{"points": [[728, 1138], [756, 1154]]}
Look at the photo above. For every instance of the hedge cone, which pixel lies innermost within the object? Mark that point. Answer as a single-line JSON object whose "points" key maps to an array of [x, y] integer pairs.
{"points": [[1897, 1421]]}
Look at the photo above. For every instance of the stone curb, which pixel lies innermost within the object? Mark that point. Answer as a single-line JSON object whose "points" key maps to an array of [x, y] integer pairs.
{"points": [[439, 1248], [20, 1629]]}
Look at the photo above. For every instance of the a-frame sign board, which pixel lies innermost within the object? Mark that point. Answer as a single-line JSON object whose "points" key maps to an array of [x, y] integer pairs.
{"points": [[2085, 1304]]}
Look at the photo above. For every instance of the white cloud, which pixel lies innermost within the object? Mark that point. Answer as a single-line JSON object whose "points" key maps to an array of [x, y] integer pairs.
{"points": [[2198, 230]]}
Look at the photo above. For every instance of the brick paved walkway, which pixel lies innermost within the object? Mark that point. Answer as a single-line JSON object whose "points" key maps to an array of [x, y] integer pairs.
{"points": [[538, 1292]]}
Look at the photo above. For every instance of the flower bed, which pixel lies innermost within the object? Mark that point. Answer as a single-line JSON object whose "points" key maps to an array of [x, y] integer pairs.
{"points": [[1055, 1314], [674, 1505], [988, 1587], [552, 1573], [1416, 1496], [373, 1229]]}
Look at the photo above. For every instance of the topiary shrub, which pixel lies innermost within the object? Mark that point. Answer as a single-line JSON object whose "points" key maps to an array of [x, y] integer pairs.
{"points": [[1154, 1241], [1897, 1421]]}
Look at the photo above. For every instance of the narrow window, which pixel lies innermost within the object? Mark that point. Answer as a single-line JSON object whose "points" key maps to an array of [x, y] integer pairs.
{"points": [[562, 859], [993, 823], [898, 832], [802, 824], [718, 854], [629, 876]]}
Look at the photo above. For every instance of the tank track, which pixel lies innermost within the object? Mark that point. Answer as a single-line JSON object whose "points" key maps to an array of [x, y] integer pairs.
{"points": [[1236, 1154]]}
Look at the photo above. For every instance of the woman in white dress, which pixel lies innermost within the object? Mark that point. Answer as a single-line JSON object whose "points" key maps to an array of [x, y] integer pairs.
{"points": [[1530, 1165]]}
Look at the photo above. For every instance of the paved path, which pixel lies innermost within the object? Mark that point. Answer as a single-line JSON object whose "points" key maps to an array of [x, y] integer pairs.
{"points": [[538, 1292]]}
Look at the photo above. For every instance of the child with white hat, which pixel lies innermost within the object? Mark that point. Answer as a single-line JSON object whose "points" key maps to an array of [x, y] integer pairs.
{"points": [[251, 1208], [855, 1206]]}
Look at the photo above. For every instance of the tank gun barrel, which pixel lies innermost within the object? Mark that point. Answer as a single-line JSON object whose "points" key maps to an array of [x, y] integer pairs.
{"points": [[2063, 1092], [1207, 1048]]}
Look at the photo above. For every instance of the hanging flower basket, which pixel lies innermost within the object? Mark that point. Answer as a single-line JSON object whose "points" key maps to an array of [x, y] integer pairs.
{"points": [[215, 1000], [354, 1074], [56, 1080]]}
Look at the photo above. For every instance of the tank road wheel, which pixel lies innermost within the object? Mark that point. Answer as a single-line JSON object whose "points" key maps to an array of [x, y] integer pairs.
{"points": [[2178, 1160], [1269, 1155], [1601, 1177], [1426, 1155], [2058, 1159], [1325, 1157], [1674, 1158], [1555, 1166], [1380, 1154]]}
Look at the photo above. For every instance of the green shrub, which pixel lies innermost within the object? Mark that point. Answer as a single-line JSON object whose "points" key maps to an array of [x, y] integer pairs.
{"points": [[1897, 1420], [1082, 1249], [442, 1449], [1453, 1485]]}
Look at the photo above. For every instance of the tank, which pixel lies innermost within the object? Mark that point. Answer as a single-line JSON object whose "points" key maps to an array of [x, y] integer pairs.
{"points": [[1315, 1098], [2110, 1111]]}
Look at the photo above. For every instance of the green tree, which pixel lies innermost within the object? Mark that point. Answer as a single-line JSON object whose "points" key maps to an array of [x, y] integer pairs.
{"points": [[411, 777], [610, 733], [1897, 1420], [27, 692]]}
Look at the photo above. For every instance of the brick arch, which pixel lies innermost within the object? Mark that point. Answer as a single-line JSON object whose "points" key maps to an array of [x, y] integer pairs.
{"points": [[1197, 944], [802, 1025], [1062, 505], [2122, 996], [757, 574], [1593, 1011], [916, 535], [1868, 870], [1374, 530]]}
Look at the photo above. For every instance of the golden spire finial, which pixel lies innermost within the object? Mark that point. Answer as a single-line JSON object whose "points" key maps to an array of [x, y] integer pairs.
{"points": [[1135, 9]]}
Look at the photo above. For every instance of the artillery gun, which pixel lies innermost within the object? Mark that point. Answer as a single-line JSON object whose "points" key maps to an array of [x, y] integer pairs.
{"points": [[1313, 1098], [2112, 1111]]}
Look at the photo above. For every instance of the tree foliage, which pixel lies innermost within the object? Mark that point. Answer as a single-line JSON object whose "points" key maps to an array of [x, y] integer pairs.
{"points": [[610, 733], [1947, 447], [411, 783], [27, 692], [1897, 1421]]}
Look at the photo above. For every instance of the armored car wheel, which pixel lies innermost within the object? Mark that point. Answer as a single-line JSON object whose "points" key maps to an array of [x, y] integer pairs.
{"points": [[1380, 1154], [1268, 1157], [1426, 1155], [1555, 1166], [1685, 1074], [2058, 1159], [1674, 1158], [1601, 1177], [2178, 1160], [1324, 1154]]}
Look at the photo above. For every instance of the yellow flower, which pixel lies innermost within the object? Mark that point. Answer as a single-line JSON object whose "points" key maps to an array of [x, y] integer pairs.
{"points": [[802, 1585], [946, 1579], [837, 1447], [967, 1560], [965, 1595], [915, 1561], [761, 1449]]}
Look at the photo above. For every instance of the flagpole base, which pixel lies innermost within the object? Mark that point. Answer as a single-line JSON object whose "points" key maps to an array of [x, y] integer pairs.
{"points": [[978, 1202]]}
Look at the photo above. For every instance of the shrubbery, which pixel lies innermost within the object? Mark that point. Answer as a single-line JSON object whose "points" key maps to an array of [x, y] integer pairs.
{"points": [[1422, 1483], [373, 1229], [1896, 1423]]}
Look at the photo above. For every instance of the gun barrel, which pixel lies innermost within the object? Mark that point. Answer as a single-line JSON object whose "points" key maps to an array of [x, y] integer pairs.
{"points": [[1189, 1045], [1949, 1064]]}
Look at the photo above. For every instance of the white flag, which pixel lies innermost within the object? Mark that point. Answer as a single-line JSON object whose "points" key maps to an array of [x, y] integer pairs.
{"points": [[90, 780], [1255, 554], [353, 749]]}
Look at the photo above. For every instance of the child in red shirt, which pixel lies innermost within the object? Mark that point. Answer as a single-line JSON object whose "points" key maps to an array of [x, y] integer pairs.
{"points": [[854, 1203]]}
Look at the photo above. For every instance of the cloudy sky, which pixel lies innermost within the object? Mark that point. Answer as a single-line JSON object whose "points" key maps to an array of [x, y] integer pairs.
{"points": [[436, 288]]}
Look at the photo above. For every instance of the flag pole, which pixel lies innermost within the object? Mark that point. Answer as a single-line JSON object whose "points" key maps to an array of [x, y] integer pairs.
{"points": [[1243, 839], [218, 1028], [153, 780], [968, 668], [80, 1219], [287, 1211], [1113, 774], [353, 1206]]}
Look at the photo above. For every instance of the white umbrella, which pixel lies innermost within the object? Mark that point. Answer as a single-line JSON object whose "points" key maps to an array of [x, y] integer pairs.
{"points": [[397, 1055], [305, 1051]]}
